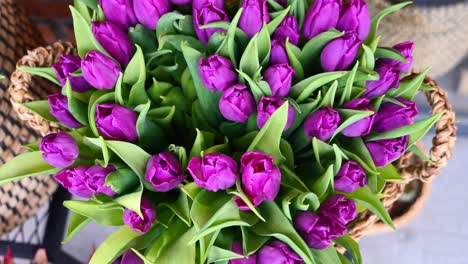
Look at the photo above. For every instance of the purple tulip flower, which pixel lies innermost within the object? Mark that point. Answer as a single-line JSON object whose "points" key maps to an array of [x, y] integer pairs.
{"points": [[209, 13], [261, 179], [322, 123], [321, 16], [114, 40], [120, 12], [237, 248], [148, 12], [355, 17], [59, 149], [214, 171], [253, 17], [164, 172], [278, 252], [364, 126], [63, 69], [288, 29], [267, 106], [392, 116], [116, 122], [278, 53], [135, 222], [237, 103], [406, 49], [340, 53], [339, 209], [216, 72], [59, 109], [350, 177], [386, 151], [279, 77], [129, 257], [99, 70], [389, 78], [198, 4]]}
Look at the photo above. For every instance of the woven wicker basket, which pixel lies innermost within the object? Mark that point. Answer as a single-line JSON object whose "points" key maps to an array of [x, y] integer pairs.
{"points": [[20, 200], [410, 167]]}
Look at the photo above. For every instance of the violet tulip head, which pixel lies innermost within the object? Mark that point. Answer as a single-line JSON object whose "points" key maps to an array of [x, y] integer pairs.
{"points": [[288, 29], [164, 172], [278, 52], [340, 53], [253, 17], [364, 126], [120, 12], [278, 252], [406, 49], [386, 151], [237, 248], [237, 103], [180, 2], [214, 171], [339, 208], [350, 177], [389, 78], [75, 181], [392, 116], [355, 17], [59, 149], [198, 4], [96, 178], [64, 68], [216, 72], [135, 222], [116, 122], [321, 16], [148, 12], [129, 257], [322, 123], [267, 106], [261, 179], [114, 40], [279, 77], [318, 230], [209, 13], [99, 70], [59, 109]]}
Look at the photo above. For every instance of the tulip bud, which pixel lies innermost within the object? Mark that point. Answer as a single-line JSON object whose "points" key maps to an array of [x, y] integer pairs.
{"points": [[279, 77], [322, 123], [99, 70], [386, 151], [114, 40], [350, 177], [59, 109], [339, 209], [267, 106], [364, 126], [148, 12], [389, 78], [198, 4], [116, 122], [120, 12], [67, 65], [288, 29], [318, 230], [75, 181], [237, 103], [207, 14], [237, 248], [135, 222], [129, 257], [216, 72], [392, 116], [59, 149], [261, 179], [255, 13], [355, 17], [278, 252], [321, 16], [278, 52], [406, 49], [340, 53], [164, 172], [214, 171]]}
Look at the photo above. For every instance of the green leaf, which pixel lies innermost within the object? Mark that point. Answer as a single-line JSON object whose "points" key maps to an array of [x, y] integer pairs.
{"points": [[91, 3], [321, 185], [122, 181], [251, 242], [135, 157], [104, 214], [329, 97], [351, 246], [166, 23], [313, 48], [275, 5], [263, 45], [230, 42], [290, 179], [77, 108], [305, 88], [181, 208], [192, 190], [356, 150], [269, 138], [42, 108], [76, 223], [378, 18], [348, 90], [249, 62], [121, 94], [278, 226], [83, 9], [257, 92], [365, 197], [390, 53], [416, 151], [203, 141], [44, 72], [97, 97], [326, 256], [350, 117], [294, 55], [150, 135], [142, 257], [101, 144], [217, 254], [143, 37], [275, 22], [305, 110], [85, 40], [135, 76], [390, 174], [15, 169], [240, 193], [368, 59], [409, 89]]}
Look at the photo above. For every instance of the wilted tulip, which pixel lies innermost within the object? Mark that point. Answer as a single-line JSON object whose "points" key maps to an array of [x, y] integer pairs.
{"points": [[389, 78], [114, 40], [279, 77], [386, 151], [59, 109], [321, 16], [164, 172], [340, 53], [64, 68], [116, 122], [99, 70], [322, 123], [135, 222], [207, 14], [364, 126], [392, 116], [148, 12], [59, 149], [254, 15], [120, 12], [237, 103], [216, 72], [355, 17], [214, 171], [267, 106]]}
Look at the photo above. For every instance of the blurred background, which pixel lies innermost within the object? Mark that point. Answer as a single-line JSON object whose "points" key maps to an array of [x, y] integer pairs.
{"points": [[435, 228]]}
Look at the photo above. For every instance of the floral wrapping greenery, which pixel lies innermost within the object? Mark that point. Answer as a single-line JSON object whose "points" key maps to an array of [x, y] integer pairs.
{"points": [[216, 134]]}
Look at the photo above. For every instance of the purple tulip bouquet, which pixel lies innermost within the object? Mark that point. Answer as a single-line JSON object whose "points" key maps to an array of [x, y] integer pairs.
{"points": [[217, 133]]}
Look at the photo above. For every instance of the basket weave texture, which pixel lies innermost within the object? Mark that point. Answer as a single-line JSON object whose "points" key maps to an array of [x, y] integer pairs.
{"points": [[409, 166], [22, 199]]}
